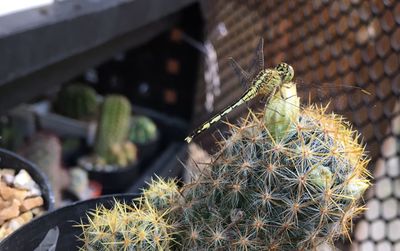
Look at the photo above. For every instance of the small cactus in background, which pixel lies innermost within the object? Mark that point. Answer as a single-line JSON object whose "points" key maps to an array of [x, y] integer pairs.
{"points": [[112, 131], [45, 151], [77, 101], [131, 227], [287, 181], [122, 154], [142, 130]]}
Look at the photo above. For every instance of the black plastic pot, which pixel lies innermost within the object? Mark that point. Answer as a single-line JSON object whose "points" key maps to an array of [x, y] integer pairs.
{"points": [[31, 235], [116, 181], [13, 161], [147, 150]]}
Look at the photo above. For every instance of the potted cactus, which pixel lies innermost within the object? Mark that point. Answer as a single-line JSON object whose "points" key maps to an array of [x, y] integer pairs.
{"points": [[77, 101], [144, 134], [289, 178], [71, 114], [113, 162]]}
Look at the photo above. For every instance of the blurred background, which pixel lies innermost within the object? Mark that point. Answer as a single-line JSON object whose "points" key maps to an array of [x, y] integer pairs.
{"points": [[169, 59]]}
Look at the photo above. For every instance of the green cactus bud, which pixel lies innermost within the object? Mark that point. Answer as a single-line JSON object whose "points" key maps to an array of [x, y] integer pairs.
{"points": [[282, 110]]}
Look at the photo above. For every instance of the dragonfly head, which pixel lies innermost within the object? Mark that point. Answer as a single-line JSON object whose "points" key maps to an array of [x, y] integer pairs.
{"points": [[285, 71]]}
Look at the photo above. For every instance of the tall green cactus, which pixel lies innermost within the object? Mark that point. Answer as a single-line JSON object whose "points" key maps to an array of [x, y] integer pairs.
{"points": [[142, 130], [113, 126], [77, 101]]}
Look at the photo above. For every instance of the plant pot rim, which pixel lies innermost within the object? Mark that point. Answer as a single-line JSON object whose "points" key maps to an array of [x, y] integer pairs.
{"points": [[47, 221], [115, 171]]}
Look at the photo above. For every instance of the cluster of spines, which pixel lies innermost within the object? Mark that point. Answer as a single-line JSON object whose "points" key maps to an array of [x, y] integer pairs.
{"points": [[126, 227], [162, 194], [142, 225]]}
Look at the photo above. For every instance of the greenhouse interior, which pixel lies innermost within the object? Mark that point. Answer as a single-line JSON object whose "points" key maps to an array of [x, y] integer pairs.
{"points": [[200, 125]]}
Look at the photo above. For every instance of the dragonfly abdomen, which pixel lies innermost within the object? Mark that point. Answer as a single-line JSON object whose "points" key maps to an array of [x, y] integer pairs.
{"points": [[263, 84]]}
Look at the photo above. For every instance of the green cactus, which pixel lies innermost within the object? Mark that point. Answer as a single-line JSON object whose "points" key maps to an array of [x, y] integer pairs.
{"points": [[77, 101], [142, 130], [288, 181], [45, 151], [139, 226], [291, 180], [113, 128]]}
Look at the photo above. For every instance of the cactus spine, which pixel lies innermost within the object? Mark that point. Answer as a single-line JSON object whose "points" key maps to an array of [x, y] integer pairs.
{"points": [[113, 128], [142, 130], [77, 101]]}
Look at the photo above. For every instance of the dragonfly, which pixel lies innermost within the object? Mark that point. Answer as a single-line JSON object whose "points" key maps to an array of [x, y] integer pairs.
{"points": [[266, 82]]}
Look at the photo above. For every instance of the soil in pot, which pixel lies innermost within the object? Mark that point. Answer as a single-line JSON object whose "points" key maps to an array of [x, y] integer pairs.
{"points": [[11, 160], [25, 192]]}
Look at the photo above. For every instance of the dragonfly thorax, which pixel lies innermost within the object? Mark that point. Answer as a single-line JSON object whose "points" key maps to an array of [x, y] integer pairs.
{"points": [[267, 81]]}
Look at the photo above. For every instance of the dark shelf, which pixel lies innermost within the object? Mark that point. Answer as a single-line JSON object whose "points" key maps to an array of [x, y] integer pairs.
{"points": [[44, 47]]}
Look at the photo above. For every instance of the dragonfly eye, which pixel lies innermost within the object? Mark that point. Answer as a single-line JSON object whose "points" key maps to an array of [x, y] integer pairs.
{"points": [[285, 71]]}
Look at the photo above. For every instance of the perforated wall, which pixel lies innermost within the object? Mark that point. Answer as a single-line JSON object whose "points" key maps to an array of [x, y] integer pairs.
{"points": [[340, 43]]}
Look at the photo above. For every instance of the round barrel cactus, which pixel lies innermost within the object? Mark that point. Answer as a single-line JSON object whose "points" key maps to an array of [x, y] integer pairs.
{"points": [[289, 179], [142, 130], [77, 101]]}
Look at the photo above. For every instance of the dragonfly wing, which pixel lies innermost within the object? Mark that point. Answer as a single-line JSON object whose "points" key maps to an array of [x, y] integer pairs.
{"points": [[325, 89], [257, 64], [244, 76], [260, 55]]}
